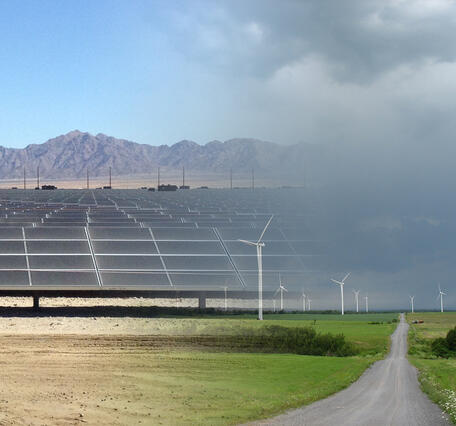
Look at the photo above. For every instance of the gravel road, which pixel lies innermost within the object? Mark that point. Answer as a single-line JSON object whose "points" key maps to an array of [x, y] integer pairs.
{"points": [[388, 393]]}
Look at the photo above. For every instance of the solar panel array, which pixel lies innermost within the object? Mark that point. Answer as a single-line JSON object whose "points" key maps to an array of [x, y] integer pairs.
{"points": [[135, 239]]}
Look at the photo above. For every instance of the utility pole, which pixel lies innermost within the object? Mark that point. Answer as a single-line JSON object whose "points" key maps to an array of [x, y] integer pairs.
{"points": [[158, 178], [231, 178], [183, 176], [38, 177], [25, 184], [253, 179], [110, 183], [87, 178]]}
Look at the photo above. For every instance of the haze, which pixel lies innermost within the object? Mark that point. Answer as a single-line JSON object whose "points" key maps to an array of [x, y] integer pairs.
{"points": [[371, 83]]}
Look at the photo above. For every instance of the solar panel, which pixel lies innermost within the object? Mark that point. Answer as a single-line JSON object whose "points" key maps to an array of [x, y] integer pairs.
{"points": [[14, 279], [119, 233], [123, 247], [190, 247], [13, 262], [131, 262], [64, 279], [60, 262], [66, 232], [174, 234], [134, 279], [141, 239], [12, 247], [198, 263], [58, 247]]}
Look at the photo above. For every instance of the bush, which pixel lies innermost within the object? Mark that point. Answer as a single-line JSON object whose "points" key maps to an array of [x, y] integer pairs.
{"points": [[439, 348], [279, 339], [445, 347], [451, 340]]}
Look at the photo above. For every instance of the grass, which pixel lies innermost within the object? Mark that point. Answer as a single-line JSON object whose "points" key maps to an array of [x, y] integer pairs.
{"points": [[368, 332], [201, 387], [226, 388], [437, 375]]}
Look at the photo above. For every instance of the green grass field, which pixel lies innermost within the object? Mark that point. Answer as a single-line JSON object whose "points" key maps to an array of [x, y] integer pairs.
{"points": [[361, 329], [230, 388], [437, 376], [198, 387]]}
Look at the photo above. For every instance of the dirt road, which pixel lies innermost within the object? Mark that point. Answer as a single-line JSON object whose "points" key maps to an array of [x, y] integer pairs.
{"points": [[388, 393]]}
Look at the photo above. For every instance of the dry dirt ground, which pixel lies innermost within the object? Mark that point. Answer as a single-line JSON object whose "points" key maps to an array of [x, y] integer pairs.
{"points": [[77, 368]]}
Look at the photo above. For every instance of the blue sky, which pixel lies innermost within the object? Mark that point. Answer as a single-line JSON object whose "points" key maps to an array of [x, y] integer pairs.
{"points": [[97, 66], [318, 71]]}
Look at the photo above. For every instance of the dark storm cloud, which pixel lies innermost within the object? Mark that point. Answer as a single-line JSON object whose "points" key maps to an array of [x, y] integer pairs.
{"points": [[360, 39], [372, 84]]}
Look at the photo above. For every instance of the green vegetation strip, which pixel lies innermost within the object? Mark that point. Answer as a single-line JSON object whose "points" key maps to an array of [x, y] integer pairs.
{"points": [[231, 388], [437, 375], [197, 386]]}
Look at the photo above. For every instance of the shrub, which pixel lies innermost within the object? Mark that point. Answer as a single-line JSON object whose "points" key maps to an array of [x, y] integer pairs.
{"points": [[279, 339], [451, 340], [439, 348]]}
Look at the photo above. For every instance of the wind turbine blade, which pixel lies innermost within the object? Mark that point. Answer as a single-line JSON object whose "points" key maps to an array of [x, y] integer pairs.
{"points": [[275, 294], [285, 289], [346, 276], [248, 242], [264, 230], [337, 282]]}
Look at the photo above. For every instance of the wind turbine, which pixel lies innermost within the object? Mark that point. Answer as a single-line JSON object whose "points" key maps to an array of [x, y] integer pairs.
{"points": [[441, 294], [412, 298], [308, 303], [341, 283], [303, 302], [281, 289], [367, 303], [356, 293], [259, 245], [226, 302]]}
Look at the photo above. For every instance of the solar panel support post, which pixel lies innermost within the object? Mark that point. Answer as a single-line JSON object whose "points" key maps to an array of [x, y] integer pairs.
{"points": [[202, 300], [36, 302]]}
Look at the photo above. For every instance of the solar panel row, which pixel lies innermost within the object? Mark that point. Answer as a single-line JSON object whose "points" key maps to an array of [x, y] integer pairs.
{"points": [[130, 239]]}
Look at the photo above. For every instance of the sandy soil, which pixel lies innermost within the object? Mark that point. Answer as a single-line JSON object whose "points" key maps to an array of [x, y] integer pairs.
{"points": [[95, 361], [79, 361], [69, 380]]}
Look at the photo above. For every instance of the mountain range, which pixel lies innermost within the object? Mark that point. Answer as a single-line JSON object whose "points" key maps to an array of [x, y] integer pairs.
{"points": [[70, 155]]}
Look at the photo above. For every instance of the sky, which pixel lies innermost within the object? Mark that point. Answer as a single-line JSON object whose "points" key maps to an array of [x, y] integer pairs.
{"points": [[156, 72]]}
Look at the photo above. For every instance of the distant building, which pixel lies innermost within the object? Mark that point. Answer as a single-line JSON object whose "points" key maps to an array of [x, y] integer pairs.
{"points": [[184, 187], [107, 187], [48, 187], [151, 189], [167, 187]]}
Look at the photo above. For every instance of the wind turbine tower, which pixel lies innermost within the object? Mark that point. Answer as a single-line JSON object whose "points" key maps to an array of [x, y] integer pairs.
{"points": [[303, 302], [356, 293], [367, 303], [259, 246], [341, 284], [281, 289], [441, 294], [412, 298], [308, 303]]}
